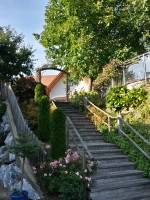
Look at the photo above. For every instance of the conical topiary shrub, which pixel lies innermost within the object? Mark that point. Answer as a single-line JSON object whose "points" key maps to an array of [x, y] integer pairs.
{"points": [[44, 118], [39, 91], [58, 134]]}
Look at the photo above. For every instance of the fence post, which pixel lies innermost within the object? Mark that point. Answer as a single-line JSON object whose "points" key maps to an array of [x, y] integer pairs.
{"points": [[119, 124]]}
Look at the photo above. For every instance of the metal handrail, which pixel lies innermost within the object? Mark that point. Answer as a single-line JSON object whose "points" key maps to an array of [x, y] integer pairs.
{"points": [[86, 101], [135, 144], [120, 122], [136, 132]]}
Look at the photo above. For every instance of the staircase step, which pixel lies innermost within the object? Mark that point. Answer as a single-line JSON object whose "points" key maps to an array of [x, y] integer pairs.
{"points": [[117, 174], [122, 185], [112, 159], [98, 146], [111, 167], [116, 177], [138, 194], [106, 152]]}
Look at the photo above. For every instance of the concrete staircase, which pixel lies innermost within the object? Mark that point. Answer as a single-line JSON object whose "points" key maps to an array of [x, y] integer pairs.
{"points": [[116, 177]]}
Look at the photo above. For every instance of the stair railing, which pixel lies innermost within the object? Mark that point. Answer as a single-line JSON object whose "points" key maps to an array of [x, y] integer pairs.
{"points": [[74, 134], [109, 117], [120, 127], [145, 141]]}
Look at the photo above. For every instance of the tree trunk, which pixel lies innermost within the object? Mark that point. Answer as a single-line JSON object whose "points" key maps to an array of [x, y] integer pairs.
{"points": [[22, 173]]}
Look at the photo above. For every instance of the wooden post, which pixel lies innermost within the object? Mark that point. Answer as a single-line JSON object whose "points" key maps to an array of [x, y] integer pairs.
{"points": [[83, 160]]}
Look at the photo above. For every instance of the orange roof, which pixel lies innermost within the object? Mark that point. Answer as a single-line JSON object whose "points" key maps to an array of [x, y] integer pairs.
{"points": [[46, 80]]}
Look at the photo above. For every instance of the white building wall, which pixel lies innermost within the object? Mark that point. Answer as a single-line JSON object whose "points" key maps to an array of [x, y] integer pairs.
{"points": [[59, 90], [82, 85]]}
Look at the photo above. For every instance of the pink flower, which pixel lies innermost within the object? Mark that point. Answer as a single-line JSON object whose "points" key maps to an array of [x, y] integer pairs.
{"points": [[34, 168], [50, 174], [45, 174], [77, 173]]}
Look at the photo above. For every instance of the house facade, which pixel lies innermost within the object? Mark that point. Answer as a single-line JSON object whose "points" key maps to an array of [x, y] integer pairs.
{"points": [[56, 86]]}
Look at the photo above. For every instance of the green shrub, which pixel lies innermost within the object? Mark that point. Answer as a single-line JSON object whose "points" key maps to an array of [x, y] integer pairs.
{"points": [[58, 134], [142, 163], [117, 98], [120, 97], [77, 99], [30, 113], [137, 96], [44, 119], [65, 177], [39, 91]]}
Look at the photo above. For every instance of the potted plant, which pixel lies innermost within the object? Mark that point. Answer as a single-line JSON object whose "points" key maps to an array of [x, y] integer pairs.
{"points": [[24, 147]]}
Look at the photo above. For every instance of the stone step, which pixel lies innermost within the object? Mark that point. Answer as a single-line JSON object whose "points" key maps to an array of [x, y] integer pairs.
{"points": [[138, 194], [112, 167], [116, 179], [122, 185], [98, 146], [87, 136], [111, 159], [117, 174], [106, 152]]}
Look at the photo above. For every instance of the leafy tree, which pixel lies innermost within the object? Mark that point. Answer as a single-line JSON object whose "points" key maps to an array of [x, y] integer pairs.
{"points": [[85, 35], [24, 88], [15, 57]]}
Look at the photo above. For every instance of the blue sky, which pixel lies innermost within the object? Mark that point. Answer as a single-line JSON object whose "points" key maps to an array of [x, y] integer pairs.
{"points": [[26, 17]]}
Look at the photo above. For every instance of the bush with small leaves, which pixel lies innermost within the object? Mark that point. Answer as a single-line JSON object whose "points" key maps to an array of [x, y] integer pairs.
{"points": [[39, 91], [58, 134], [44, 118]]}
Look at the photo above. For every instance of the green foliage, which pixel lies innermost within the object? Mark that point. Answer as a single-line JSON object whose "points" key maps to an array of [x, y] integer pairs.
{"points": [[64, 177], [85, 36], [137, 96], [15, 58], [24, 88], [30, 113], [44, 124], [134, 155], [3, 108], [39, 92], [58, 134], [117, 98], [24, 146], [77, 99]]}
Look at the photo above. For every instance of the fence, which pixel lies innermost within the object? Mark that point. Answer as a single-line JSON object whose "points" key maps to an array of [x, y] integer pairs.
{"points": [[20, 123], [121, 125]]}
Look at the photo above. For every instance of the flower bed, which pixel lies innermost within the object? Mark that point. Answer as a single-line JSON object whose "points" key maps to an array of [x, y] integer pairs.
{"points": [[65, 177]]}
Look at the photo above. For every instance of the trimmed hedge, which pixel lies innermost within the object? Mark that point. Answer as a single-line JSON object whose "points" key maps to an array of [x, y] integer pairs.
{"points": [[58, 134], [44, 118], [39, 91]]}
